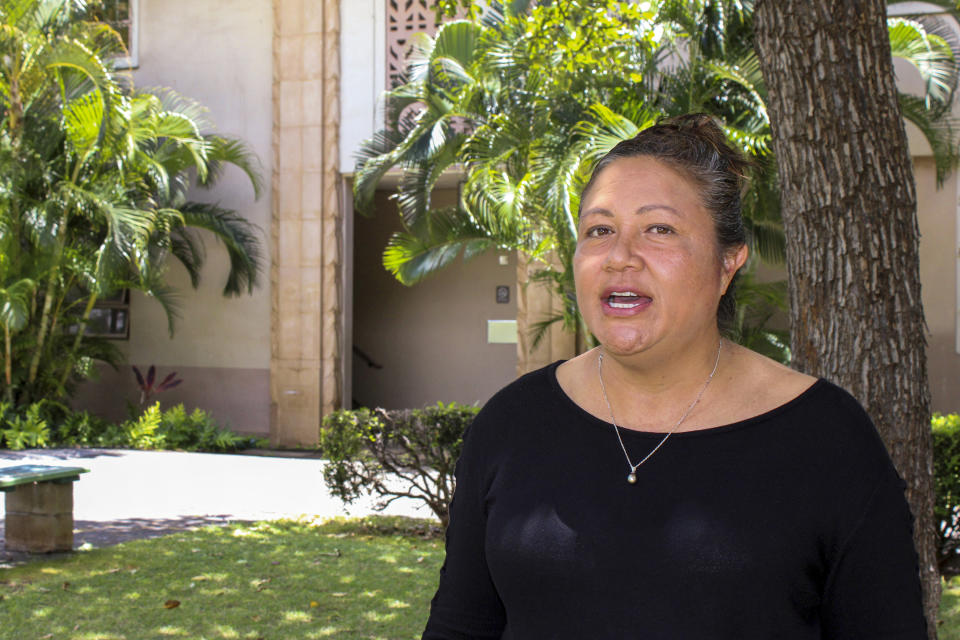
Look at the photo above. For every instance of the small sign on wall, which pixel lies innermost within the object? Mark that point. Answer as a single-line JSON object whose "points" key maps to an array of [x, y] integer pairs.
{"points": [[502, 331], [503, 294]]}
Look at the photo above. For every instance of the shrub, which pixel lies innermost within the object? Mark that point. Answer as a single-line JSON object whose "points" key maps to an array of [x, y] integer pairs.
{"points": [[81, 429], [198, 431], [27, 429], [142, 433], [395, 454], [52, 424], [946, 472]]}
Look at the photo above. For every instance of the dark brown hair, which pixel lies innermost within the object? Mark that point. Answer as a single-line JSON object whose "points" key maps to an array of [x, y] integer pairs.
{"points": [[695, 146]]}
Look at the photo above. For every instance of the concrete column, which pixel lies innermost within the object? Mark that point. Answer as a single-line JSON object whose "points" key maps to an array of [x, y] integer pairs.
{"points": [[536, 301], [305, 271], [39, 517]]}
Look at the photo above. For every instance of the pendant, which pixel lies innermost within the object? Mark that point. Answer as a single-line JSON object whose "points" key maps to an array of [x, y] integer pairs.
{"points": [[632, 478]]}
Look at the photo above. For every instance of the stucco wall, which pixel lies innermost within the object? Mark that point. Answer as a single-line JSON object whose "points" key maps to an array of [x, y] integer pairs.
{"points": [[362, 73], [938, 274], [223, 60], [218, 52], [431, 339]]}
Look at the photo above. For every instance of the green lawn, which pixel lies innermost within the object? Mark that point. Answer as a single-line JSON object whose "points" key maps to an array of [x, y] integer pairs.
{"points": [[950, 611], [275, 580], [363, 579]]}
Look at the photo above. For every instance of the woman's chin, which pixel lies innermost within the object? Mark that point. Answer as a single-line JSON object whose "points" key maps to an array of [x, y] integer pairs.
{"points": [[623, 344]]}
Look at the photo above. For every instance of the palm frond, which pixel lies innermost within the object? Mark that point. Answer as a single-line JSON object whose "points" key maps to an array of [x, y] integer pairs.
{"points": [[187, 247], [419, 179], [240, 238], [168, 297], [410, 256], [225, 151], [83, 122], [930, 54], [939, 129]]}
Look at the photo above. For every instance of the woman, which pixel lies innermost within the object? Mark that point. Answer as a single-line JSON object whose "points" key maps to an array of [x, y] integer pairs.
{"points": [[670, 484]]}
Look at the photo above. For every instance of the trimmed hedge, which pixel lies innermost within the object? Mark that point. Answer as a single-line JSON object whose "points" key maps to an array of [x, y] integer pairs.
{"points": [[946, 474]]}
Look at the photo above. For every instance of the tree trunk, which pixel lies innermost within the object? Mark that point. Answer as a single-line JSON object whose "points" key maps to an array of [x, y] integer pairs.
{"points": [[849, 211]]}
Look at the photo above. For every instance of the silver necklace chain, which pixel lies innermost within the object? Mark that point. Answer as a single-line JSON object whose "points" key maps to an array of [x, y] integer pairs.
{"points": [[632, 476]]}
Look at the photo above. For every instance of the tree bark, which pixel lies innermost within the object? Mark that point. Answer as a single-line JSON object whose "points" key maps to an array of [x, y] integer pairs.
{"points": [[849, 211]]}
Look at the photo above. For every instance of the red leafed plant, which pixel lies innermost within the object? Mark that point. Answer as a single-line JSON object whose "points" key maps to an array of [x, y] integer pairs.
{"points": [[147, 384]]}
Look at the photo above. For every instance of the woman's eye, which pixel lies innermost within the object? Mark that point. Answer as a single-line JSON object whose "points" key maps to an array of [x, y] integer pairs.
{"points": [[596, 232], [661, 229]]}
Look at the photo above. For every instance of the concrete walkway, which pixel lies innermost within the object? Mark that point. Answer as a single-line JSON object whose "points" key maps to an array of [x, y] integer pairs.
{"points": [[139, 494]]}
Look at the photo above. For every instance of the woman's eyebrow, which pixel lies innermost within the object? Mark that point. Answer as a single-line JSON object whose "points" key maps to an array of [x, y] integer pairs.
{"points": [[596, 211], [665, 207], [644, 209]]}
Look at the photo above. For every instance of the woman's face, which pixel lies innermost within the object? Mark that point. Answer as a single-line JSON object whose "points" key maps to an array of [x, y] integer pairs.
{"points": [[647, 267]]}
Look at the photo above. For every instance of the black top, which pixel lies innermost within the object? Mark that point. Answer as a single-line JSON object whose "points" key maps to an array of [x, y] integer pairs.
{"points": [[791, 524]]}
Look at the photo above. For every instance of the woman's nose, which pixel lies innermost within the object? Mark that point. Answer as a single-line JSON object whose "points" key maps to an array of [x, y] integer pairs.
{"points": [[624, 253]]}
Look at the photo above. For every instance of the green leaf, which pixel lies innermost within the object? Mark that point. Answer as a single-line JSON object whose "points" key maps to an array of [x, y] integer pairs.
{"points": [[410, 257]]}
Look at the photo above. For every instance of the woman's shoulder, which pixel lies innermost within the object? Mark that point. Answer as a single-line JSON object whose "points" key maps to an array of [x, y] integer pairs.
{"points": [[821, 416], [507, 415], [516, 402], [821, 411], [526, 394], [753, 385]]}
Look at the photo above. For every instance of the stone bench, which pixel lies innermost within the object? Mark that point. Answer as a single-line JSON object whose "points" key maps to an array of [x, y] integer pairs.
{"points": [[39, 507]]}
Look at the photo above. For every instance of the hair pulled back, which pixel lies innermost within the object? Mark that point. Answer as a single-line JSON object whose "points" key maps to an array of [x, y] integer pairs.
{"points": [[695, 146]]}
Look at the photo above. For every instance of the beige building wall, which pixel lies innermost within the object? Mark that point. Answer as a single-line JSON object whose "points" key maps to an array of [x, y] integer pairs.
{"points": [[938, 274], [218, 52], [937, 211], [429, 339]]}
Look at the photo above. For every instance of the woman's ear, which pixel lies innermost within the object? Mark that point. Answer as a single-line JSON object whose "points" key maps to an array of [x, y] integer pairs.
{"points": [[732, 261]]}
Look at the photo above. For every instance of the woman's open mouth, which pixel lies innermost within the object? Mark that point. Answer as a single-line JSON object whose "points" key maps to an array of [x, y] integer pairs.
{"points": [[625, 301]]}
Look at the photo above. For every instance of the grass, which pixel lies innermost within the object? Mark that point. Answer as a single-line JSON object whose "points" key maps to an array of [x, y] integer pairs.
{"points": [[371, 578], [950, 611]]}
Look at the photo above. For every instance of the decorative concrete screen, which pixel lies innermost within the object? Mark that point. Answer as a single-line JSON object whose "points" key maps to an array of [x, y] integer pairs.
{"points": [[405, 18]]}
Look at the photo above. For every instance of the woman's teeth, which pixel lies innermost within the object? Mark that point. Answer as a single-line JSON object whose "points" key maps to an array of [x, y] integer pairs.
{"points": [[624, 300]]}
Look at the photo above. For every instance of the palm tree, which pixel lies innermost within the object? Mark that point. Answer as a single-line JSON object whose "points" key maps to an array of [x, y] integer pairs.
{"points": [[96, 175], [538, 101], [490, 95], [14, 308]]}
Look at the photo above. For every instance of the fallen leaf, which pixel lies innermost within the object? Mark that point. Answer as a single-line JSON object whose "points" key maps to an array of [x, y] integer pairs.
{"points": [[420, 559], [49, 635], [66, 586], [314, 604], [255, 618], [171, 604]]}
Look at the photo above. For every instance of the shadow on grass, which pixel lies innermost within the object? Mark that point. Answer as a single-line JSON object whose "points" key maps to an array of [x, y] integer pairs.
{"points": [[98, 534], [287, 579]]}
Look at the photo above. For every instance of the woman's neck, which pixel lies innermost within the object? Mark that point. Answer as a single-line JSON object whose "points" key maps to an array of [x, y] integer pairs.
{"points": [[650, 391]]}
